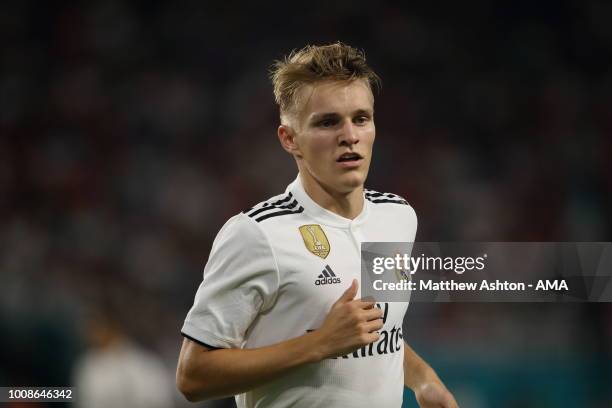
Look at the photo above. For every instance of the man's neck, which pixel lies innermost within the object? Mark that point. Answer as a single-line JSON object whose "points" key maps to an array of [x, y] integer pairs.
{"points": [[347, 205]]}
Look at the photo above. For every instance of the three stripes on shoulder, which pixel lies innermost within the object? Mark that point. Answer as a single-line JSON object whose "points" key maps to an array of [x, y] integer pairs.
{"points": [[376, 197], [287, 204], [283, 206]]}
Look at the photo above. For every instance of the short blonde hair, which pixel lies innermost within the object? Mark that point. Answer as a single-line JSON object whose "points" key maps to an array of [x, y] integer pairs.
{"points": [[314, 63]]}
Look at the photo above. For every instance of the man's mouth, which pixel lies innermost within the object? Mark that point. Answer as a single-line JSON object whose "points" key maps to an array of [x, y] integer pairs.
{"points": [[349, 157]]}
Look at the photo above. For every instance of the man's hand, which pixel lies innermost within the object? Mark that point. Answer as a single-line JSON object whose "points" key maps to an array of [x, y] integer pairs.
{"points": [[350, 324], [205, 374], [433, 394], [428, 389]]}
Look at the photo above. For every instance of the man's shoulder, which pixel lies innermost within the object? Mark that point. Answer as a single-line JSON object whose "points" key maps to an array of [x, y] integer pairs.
{"points": [[389, 203], [252, 221], [277, 206], [256, 226], [377, 197]]}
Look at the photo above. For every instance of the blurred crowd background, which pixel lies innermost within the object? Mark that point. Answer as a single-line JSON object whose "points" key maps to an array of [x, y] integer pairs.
{"points": [[131, 131]]}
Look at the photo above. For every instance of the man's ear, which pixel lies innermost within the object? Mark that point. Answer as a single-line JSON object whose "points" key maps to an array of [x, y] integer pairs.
{"points": [[286, 136]]}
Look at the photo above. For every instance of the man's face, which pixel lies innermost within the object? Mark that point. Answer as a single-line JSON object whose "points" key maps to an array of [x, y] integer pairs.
{"points": [[334, 133]]}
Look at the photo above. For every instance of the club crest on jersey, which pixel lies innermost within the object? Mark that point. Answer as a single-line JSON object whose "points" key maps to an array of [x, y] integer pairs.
{"points": [[315, 240]]}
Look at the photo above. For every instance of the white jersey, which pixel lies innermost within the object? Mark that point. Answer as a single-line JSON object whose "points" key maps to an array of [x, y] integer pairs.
{"points": [[273, 274]]}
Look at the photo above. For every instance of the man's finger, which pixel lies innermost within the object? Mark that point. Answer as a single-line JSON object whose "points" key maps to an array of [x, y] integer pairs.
{"points": [[372, 314], [350, 293], [364, 305], [373, 325], [369, 299]]}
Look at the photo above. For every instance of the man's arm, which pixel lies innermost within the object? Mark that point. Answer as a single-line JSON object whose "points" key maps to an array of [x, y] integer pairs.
{"points": [[204, 373], [429, 390]]}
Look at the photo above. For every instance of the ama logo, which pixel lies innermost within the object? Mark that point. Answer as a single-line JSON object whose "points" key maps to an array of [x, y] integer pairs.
{"points": [[327, 277]]}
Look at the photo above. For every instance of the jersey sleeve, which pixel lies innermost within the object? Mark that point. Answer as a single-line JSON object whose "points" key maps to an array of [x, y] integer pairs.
{"points": [[240, 281], [413, 223]]}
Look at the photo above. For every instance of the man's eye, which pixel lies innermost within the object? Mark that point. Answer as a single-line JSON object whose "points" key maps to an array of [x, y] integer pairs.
{"points": [[327, 123], [361, 119]]}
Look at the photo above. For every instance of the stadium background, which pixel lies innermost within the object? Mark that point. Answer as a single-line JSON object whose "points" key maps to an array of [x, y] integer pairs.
{"points": [[131, 131]]}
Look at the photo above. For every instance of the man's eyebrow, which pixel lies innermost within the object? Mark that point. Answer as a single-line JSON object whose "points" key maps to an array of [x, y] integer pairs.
{"points": [[324, 115], [368, 112], [330, 115]]}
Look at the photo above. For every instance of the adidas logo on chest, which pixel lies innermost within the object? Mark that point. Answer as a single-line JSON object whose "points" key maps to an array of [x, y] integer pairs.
{"points": [[327, 277]]}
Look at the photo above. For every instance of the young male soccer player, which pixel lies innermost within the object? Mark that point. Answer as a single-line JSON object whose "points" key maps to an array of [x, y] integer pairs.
{"points": [[277, 320]]}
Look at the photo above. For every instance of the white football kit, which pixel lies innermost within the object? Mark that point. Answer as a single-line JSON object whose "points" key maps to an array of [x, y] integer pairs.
{"points": [[273, 274]]}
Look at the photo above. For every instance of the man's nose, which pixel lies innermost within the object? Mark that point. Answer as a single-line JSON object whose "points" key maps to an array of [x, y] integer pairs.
{"points": [[349, 133]]}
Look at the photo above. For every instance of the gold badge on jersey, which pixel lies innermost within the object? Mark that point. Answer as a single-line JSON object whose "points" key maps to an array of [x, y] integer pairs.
{"points": [[315, 240]]}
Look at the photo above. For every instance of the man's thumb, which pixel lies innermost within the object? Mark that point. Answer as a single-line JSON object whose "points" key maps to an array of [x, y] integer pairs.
{"points": [[350, 293]]}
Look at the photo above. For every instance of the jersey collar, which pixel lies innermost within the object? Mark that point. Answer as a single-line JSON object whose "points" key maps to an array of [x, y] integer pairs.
{"points": [[319, 213]]}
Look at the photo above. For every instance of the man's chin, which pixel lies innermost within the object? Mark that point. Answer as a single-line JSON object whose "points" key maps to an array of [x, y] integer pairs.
{"points": [[351, 181]]}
